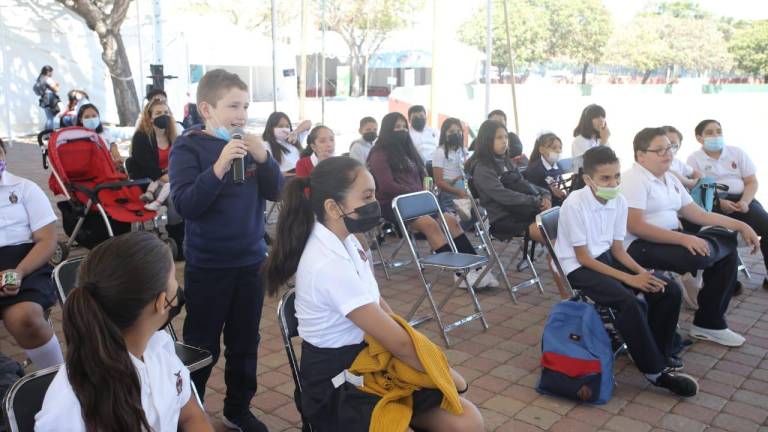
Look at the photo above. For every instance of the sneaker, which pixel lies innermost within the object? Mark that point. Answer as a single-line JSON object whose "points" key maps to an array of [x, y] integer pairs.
{"points": [[489, 280], [678, 383], [154, 206], [472, 277], [726, 337], [765, 283], [147, 197], [244, 423], [738, 289], [691, 289], [674, 363]]}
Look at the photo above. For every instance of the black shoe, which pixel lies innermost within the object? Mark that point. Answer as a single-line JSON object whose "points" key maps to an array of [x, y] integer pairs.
{"points": [[674, 363], [765, 284], [738, 289], [246, 422], [678, 383]]}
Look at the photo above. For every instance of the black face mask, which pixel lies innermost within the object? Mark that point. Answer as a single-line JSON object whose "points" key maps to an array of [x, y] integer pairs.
{"points": [[368, 217], [419, 123], [400, 137], [370, 137], [174, 309], [454, 140], [162, 121]]}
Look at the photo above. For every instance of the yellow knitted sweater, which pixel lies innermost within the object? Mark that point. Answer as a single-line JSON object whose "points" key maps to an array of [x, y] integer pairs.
{"points": [[386, 376]]}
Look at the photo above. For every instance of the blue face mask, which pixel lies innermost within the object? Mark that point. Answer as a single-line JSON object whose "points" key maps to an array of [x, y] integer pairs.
{"points": [[223, 133], [714, 144], [91, 123]]}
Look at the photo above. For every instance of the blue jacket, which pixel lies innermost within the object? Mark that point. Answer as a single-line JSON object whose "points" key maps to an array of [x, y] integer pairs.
{"points": [[224, 221]]}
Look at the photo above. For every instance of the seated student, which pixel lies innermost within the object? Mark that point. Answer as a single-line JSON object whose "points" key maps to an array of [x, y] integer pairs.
{"points": [[27, 243], [730, 165], [511, 201], [321, 144], [424, 138], [656, 200], [543, 170], [684, 172], [88, 117], [592, 131], [515, 151], [398, 169], [150, 149], [122, 373], [338, 301], [284, 143], [590, 247], [448, 164], [499, 116], [360, 147]]}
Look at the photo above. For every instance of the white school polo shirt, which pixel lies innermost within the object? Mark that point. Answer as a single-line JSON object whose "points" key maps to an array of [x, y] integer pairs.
{"points": [[585, 221], [165, 389], [579, 147], [660, 199], [425, 142], [333, 279], [452, 165], [681, 168], [730, 168], [24, 209]]}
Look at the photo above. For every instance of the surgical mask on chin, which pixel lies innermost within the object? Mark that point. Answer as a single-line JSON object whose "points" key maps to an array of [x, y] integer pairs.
{"points": [[714, 144], [221, 131]]}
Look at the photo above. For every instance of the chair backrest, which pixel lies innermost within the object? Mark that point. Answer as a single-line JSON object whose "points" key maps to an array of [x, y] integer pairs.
{"points": [[566, 165], [65, 277], [547, 222], [25, 398], [415, 205], [289, 329]]}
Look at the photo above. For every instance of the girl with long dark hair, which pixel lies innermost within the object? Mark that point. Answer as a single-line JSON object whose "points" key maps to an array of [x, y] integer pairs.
{"points": [[448, 163], [88, 117], [121, 373], [591, 131], [543, 170], [338, 301], [285, 142], [321, 145]]}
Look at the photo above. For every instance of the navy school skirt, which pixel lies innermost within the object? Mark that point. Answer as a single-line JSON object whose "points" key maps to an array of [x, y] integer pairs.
{"points": [[36, 287], [344, 408]]}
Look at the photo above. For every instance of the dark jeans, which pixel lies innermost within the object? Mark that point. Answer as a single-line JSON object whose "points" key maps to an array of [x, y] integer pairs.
{"points": [[647, 326], [757, 218], [720, 271], [230, 299]]}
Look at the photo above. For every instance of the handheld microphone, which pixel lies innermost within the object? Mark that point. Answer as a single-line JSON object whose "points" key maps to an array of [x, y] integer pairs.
{"points": [[238, 165]]}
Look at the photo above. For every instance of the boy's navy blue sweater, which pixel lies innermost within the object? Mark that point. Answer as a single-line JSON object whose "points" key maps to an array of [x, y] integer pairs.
{"points": [[224, 221]]}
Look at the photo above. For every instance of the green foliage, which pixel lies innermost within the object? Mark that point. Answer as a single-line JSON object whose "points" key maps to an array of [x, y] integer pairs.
{"points": [[749, 47]]}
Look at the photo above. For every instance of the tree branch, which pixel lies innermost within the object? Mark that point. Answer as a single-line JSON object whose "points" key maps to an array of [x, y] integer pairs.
{"points": [[118, 14]]}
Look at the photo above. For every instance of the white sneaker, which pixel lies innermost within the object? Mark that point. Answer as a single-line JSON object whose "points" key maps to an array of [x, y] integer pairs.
{"points": [[489, 280], [155, 206], [472, 277], [691, 287], [726, 337]]}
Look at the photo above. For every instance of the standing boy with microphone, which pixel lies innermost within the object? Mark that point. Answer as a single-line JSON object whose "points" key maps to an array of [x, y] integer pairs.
{"points": [[224, 243]]}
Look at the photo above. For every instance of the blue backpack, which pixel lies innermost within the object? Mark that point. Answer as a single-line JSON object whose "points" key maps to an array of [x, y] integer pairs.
{"points": [[577, 359]]}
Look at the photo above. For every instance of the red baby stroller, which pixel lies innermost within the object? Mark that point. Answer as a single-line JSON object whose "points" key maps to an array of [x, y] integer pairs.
{"points": [[100, 201]]}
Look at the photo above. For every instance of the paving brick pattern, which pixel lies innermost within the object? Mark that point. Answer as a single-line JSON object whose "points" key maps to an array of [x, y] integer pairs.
{"points": [[502, 362]]}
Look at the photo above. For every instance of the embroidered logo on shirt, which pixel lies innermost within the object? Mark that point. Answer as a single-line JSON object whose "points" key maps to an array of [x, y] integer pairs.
{"points": [[363, 255], [676, 189], [13, 198], [179, 383], [733, 165]]}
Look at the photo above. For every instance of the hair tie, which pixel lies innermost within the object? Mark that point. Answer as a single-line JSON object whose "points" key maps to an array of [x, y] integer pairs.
{"points": [[544, 132], [307, 187]]}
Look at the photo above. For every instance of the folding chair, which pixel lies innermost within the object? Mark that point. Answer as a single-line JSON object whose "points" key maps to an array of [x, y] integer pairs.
{"points": [[289, 329], [412, 206], [65, 278], [547, 222], [483, 231], [389, 262], [25, 398]]}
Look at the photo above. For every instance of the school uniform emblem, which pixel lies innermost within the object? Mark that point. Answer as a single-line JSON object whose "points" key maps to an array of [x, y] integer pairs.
{"points": [[179, 383], [363, 255], [733, 165], [13, 198]]}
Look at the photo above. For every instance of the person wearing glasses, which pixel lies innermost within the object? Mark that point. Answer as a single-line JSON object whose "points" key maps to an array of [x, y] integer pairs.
{"points": [[656, 199]]}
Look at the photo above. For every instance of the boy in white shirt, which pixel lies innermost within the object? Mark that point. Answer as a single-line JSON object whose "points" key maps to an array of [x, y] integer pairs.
{"points": [[590, 247], [424, 138], [657, 200], [731, 166], [360, 147]]}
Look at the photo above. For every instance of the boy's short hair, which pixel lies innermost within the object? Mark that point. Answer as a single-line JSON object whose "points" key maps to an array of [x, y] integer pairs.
{"points": [[215, 82], [497, 112], [672, 129], [596, 156], [643, 138], [416, 109], [155, 92], [365, 120]]}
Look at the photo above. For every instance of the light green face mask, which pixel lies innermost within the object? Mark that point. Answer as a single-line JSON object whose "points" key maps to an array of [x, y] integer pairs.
{"points": [[607, 193]]}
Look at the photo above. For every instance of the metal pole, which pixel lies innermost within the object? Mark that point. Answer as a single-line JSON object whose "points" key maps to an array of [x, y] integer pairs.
{"points": [[433, 81], [322, 100], [365, 58], [511, 67], [6, 77], [303, 66], [142, 89], [274, 57], [488, 55], [158, 14]]}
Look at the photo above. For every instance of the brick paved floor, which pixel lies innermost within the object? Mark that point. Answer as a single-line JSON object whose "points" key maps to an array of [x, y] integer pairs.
{"points": [[502, 362]]}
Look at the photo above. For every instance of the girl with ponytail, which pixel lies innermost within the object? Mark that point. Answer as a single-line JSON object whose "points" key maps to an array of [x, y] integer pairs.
{"points": [[121, 373], [338, 301]]}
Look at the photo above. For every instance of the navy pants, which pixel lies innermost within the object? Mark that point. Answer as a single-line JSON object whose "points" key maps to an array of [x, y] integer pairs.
{"points": [[757, 218], [648, 326], [720, 271], [229, 301]]}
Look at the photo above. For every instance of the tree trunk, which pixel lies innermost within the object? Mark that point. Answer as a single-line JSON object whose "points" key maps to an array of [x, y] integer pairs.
{"points": [[116, 59], [583, 73], [646, 75], [354, 76]]}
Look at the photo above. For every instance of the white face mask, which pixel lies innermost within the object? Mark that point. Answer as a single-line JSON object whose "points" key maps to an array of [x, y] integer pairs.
{"points": [[552, 158]]}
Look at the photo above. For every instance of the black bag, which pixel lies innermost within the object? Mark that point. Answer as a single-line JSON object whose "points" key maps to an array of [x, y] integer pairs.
{"points": [[51, 101], [39, 87], [10, 372]]}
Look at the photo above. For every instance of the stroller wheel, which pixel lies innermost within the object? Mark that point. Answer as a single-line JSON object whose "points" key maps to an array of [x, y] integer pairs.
{"points": [[60, 254], [173, 247]]}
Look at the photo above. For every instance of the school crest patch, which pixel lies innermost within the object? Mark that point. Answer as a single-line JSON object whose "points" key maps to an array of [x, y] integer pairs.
{"points": [[363, 255], [13, 198], [179, 383], [733, 165]]}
